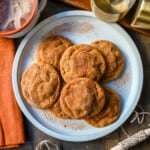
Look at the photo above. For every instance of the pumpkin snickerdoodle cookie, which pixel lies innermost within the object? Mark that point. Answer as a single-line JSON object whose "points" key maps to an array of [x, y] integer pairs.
{"points": [[82, 98], [56, 108], [113, 57], [51, 49], [40, 85], [110, 112], [82, 60]]}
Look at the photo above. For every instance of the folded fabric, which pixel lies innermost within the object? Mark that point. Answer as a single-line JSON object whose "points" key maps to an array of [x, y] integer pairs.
{"points": [[11, 121]]}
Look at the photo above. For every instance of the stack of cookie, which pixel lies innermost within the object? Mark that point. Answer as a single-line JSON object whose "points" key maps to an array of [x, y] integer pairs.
{"points": [[68, 80]]}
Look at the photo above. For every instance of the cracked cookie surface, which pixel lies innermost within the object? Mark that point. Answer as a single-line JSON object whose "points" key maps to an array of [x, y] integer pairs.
{"points": [[113, 57], [82, 98], [40, 84], [51, 49], [110, 112], [56, 108], [82, 60]]}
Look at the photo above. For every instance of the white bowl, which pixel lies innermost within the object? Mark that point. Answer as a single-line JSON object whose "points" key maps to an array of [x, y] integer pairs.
{"points": [[79, 27]]}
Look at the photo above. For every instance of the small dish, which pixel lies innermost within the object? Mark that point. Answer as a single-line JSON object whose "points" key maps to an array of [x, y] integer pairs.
{"points": [[37, 8]]}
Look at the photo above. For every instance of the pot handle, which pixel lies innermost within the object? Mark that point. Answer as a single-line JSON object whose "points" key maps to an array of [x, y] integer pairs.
{"points": [[42, 5]]}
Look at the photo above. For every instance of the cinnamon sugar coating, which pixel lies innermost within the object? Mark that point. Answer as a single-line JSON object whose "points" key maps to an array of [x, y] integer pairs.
{"points": [[56, 108], [51, 49], [82, 60], [40, 85], [110, 112], [82, 98], [113, 57]]}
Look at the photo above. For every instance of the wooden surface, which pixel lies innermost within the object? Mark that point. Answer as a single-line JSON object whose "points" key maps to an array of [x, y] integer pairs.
{"points": [[34, 136]]}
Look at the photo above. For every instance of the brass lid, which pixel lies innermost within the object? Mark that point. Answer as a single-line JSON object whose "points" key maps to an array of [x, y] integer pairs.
{"points": [[141, 18]]}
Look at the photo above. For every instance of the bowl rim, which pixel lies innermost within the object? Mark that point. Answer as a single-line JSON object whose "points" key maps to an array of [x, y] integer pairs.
{"points": [[29, 19]]}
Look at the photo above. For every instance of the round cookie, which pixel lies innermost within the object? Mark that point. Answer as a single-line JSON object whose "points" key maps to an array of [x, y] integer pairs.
{"points": [[40, 85], [82, 60], [110, 112], [51, 49], [113, 57], [82, 98]]}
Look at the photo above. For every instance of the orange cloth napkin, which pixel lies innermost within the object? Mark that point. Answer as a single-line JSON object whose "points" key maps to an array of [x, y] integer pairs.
{"points": [[11, 121]]}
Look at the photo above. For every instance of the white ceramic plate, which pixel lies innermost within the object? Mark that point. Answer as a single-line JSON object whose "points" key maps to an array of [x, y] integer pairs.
{"points": [[80, 27]]}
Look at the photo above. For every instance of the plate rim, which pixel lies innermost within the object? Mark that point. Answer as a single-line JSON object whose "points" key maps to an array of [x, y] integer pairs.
{"points": [[15, 77]]}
